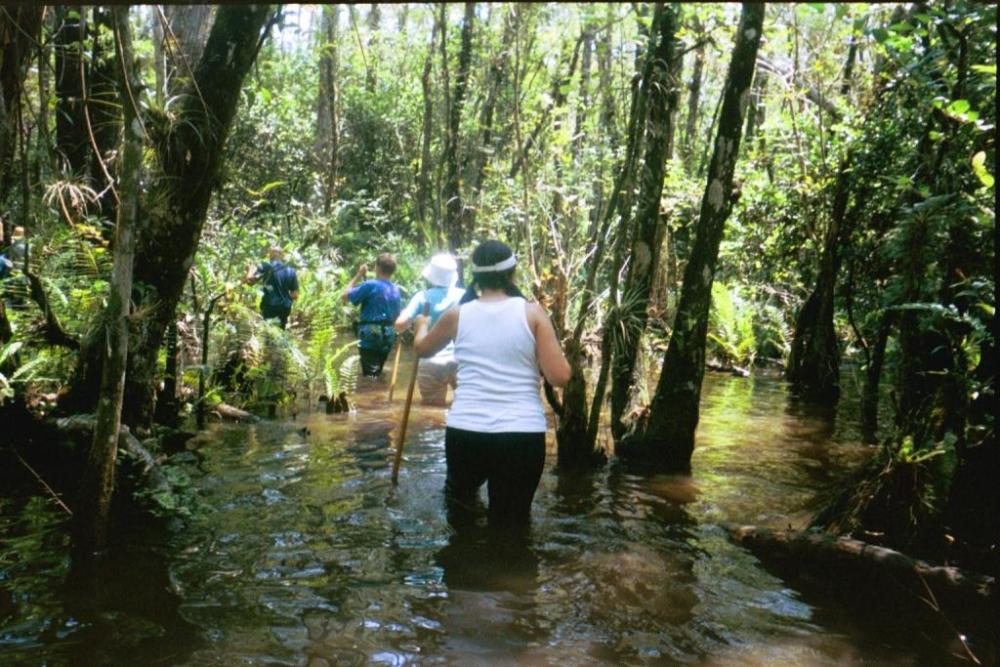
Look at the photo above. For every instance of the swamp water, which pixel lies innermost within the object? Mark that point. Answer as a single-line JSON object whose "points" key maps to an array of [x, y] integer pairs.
{"points": [[301, 552]]}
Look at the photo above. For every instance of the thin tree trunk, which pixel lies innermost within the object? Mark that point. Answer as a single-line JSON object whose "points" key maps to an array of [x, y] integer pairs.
{"points": [[620, 205], [668, 439], [497, 77], [558, 94], [455, 227], [703, 162], [694, 98], [755, 112], [605, 77], [159, 60], [374, 25], [423, 181], [583, 101], [103, 111], [328, 117], [873, 376], [814, 360], [98, 481], [662, 86]]}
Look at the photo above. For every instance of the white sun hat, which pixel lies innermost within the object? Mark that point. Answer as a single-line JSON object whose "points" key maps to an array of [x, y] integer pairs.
{"points": [[441, 270]]}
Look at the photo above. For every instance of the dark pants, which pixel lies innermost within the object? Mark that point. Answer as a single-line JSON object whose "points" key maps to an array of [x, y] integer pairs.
{"points": [[511, 463], [281, 313], [375, 341], [372, 362]]}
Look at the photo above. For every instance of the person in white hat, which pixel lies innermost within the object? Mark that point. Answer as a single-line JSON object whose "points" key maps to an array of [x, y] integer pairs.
{"points": [[440, 370]]}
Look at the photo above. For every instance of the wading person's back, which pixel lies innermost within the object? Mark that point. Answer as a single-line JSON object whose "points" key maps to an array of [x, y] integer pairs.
{"points": [[496, 425]]}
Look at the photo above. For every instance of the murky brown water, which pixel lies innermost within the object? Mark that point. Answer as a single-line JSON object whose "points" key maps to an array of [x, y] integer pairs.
{"points": [[303, 553]]}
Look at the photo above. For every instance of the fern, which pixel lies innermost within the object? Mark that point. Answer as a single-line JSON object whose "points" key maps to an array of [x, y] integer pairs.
{"points": [[336, 381]]}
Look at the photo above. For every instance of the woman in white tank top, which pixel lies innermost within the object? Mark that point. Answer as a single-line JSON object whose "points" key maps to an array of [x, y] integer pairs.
{"points": [[496, 425]]}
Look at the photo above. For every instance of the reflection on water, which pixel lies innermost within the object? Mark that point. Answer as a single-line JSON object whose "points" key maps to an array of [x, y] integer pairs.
{"points": [[304, 553]]}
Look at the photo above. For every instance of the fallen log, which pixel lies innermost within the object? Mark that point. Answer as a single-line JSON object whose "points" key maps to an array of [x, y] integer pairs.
{"points": [[823, 555], [231, 413], [727, 368]]}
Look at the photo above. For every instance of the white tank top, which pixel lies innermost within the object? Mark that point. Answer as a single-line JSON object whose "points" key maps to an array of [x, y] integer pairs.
{"points": [[498, 377]]}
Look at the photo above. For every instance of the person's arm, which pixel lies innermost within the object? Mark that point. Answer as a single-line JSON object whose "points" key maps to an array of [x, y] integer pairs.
{"points": [[551, 359], [428, 343], [407, 314], [359, 276], [252, 275], [294, 292]]}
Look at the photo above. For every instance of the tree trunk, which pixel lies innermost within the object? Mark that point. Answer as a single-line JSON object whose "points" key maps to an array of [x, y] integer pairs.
{"points": [[576, 432], [694, 98], [583, 102], [98, 480], [72, 141], [374, 25], [873, 376], [188, 31], [423, 180], [662, 87], [668, 439], [19, 28], [189, 155], [454, 202], [327, 116], [814, 360], [755, 112], [557, 93], [605, 78], [497, 77], [102, 110], [867, 565]]}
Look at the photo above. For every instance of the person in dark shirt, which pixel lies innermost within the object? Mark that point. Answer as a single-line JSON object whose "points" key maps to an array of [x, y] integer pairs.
{"points": [[280, 286], [380, 305]]}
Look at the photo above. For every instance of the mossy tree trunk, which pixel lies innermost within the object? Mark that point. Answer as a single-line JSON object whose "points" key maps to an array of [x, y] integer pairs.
{"points": [[98, 481], [189, 155], [645, 248], [577, 429], [668, 439]]}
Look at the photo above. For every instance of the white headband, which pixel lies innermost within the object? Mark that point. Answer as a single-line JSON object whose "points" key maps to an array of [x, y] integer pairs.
{"points": [[508, 263]]}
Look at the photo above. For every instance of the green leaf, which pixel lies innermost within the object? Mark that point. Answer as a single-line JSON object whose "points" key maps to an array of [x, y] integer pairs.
{"points": [[985, 69], [267, 188], [979, 168], [957, 107]]}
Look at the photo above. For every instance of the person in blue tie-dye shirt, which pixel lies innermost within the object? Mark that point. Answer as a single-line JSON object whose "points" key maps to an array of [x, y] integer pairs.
{"points": [[438, 372]]}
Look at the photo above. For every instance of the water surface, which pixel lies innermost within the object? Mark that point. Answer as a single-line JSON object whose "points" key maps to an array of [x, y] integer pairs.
{"points": [[301, 552]]}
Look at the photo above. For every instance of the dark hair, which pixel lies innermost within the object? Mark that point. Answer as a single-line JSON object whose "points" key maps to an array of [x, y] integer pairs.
{"points": [[486, 254], [386, 263]]}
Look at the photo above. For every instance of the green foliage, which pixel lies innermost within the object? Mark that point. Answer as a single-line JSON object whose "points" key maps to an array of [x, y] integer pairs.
{"points": [[731, 335]]}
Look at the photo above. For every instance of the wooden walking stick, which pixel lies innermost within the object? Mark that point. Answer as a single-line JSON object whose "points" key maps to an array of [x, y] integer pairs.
{"points": [[401, 438], [395, 367]]}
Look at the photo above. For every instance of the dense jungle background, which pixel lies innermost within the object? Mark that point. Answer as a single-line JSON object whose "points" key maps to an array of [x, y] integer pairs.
{"points": [[802, 192]]}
